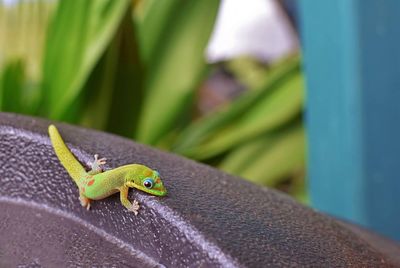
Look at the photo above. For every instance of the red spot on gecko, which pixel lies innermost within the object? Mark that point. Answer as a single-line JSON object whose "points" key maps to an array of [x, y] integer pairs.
{"points": [[82, 189], [90, 182]]}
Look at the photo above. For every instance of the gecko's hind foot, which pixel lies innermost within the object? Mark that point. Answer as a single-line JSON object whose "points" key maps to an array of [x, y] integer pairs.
{"points": [[97, 163], [101, 161], [85, 202], [134, 207]]}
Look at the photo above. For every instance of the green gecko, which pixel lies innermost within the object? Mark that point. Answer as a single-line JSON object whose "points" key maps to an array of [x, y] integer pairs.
{"points": [[96, 184]]}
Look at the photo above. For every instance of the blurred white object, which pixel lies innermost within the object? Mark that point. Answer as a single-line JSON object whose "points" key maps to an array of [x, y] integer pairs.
{"points": [[255, 28]]}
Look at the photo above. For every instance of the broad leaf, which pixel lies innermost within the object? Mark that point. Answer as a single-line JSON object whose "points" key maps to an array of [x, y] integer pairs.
{"points": [[176, 64], [76, 39], [12, 86], [114, 89], [278, 99], [269, 159], [269, 113]]}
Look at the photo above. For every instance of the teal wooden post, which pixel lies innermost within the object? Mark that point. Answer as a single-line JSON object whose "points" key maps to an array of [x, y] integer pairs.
{"points": [[352, 66]]}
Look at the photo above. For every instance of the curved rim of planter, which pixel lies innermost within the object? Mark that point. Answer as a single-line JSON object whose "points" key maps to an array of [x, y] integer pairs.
{"points": [[209, 218]]}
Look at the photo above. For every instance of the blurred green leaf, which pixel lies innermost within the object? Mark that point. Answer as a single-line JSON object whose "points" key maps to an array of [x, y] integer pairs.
{"points": [[243, 155], [268, 113], [99, 89], [11, 87], [78, 35], [154, 22], [176, 64], [277, 101], [269, 159], [129, 84], [18, 93], [115, 88], [249, 71]]}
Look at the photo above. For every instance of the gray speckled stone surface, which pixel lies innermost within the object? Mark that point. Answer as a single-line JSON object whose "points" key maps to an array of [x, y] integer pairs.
{"points": [[208, 219]]}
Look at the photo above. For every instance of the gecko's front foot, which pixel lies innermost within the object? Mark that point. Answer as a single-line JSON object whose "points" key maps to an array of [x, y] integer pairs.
{"points": [[134, 207], [97, 163]]}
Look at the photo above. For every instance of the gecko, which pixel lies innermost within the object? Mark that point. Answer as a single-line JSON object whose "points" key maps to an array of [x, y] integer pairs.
{"points": [[96, 184]]}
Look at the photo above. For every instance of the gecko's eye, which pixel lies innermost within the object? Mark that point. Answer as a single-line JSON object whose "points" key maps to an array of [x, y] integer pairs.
{"points": [[148, 183]]}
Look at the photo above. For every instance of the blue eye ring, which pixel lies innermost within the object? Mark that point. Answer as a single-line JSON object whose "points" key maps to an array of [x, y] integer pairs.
{"points": [[148, 183]]}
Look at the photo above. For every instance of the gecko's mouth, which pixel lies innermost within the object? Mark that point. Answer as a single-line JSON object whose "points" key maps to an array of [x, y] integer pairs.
{"points": [[162, 193], [156, 191]]}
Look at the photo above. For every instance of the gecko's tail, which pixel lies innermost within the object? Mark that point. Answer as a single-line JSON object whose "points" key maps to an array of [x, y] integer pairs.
{"points": [[67, 159]]}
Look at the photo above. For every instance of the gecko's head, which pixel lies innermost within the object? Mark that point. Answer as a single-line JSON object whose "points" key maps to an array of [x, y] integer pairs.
{"points": [[147, 180]]}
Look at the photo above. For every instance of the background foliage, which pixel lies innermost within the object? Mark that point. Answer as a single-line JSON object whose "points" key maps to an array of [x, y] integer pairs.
{"points": [[136, 69]]}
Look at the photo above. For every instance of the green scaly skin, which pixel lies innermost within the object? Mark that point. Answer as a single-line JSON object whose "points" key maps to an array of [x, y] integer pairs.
{"points": [[96, 185]]}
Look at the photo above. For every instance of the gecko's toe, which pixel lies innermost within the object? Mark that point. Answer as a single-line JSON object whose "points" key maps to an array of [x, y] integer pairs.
{"points": [[98, 162], [135, 207], [102, 161], [85, 202]]}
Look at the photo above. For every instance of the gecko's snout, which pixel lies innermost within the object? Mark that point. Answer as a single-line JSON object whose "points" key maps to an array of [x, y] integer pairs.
{"points": [[163, 192]]}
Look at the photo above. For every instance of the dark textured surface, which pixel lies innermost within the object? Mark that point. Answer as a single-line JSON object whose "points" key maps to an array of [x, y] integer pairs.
{"points": [[52, 239], [208, 218]]}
